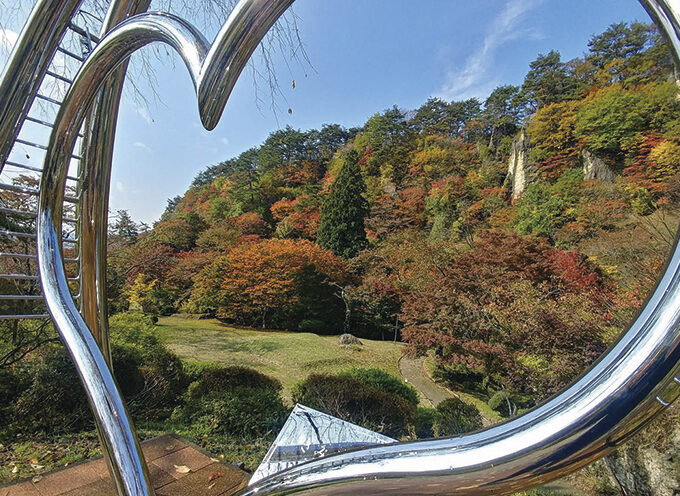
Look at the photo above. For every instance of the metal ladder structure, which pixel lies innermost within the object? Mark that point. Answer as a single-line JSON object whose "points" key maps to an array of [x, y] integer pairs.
{"points": [[21, 297]]}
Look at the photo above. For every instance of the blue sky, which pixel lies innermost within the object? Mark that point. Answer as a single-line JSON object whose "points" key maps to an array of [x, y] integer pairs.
{"points": [[367, 55]]}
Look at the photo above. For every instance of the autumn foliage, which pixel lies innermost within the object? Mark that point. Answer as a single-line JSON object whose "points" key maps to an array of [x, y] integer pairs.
{"points": [[426, 240], [268, 282]]}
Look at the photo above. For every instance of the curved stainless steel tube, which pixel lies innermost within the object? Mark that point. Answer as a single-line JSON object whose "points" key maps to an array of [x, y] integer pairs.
{"points": [[104, 396], [632, 383], [95, 177], [31, 56], [95, 180], [108, 56]]}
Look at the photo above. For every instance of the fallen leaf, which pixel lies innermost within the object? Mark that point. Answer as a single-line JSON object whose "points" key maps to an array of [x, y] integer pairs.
{"points": [[35, 466], [15, 469], [33, 461], [182, 469], [170, 447], [215, 460], [36, 479], [212, 485], [213, 476]]}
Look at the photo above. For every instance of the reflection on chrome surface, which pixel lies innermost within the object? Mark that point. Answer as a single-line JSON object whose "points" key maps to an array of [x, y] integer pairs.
{"points": [[632, 383]]}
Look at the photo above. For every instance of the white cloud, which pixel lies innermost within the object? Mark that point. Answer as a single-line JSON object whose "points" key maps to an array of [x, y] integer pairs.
{"points": [[224, 141], [143, 146], [143, 112], [119, 186], [474, 79]]}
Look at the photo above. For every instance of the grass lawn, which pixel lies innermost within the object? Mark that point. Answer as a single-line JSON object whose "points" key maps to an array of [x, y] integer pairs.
{"points": [[288, 356]]}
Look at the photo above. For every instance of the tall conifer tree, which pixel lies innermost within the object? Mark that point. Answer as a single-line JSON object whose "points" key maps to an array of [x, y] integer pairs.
{"points": [[343, 212]]}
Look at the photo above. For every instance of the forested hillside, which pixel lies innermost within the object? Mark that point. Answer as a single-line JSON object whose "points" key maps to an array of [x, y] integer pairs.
{"points": [[511, 238]]}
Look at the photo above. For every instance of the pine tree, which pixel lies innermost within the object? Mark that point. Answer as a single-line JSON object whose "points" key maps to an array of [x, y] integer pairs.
{"points": [[343, 212]]}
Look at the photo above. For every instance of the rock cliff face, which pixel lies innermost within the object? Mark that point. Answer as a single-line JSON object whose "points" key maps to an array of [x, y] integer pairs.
{"points": [[596, 168], [647, 465], [521, 171]]}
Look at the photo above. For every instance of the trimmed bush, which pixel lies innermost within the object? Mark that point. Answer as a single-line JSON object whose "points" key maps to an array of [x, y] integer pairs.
{"points": [[456, 417], [426, 417], [233, 401], [248, 413], [126, 363], [228, 378], [382, 381], [194, 370], [151, 377], [356, 402]]}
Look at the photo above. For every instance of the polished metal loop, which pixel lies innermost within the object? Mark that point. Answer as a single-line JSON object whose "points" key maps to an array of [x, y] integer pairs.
{"points": [[635, 380]]}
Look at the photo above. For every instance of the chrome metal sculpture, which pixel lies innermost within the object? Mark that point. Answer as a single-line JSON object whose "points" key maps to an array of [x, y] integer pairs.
{"points": [[635, 380]]}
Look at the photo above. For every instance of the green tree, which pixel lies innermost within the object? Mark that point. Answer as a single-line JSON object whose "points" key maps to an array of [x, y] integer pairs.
{"points": [[124, 227], [619, 41], [502, 112], [344, 211], [548, 81]]}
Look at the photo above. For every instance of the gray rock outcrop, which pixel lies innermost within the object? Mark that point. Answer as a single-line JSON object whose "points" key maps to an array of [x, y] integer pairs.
{"points": [[521, 172], [596, 168]]}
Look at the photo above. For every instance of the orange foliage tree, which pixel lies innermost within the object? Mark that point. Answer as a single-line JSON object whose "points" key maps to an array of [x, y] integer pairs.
{"points": [[276, 282]]}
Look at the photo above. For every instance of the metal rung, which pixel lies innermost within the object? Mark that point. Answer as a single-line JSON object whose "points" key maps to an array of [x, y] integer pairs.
{"points": [[21, 297], [46, 124], [77, 29], [21, 317], [47, 99], [39, 121], [59, 77], [32, 236], [20, 277], [30, 143], [32, 256], [26, 213], [32, 191], [30, 277], [34, 169], [22, 213], [41, 147], [23, 166], [70, 54], [16, 234]]}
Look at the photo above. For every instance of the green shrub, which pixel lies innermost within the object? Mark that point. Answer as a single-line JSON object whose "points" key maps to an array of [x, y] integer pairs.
{"points": [[233, 401], [312, 325], [151, 377], [499, 403], [456, 417], [11, 386], [194, 369], [135, 329], [127, 361], [54, 401], [245, 412], [382, 381], [228, 378], [356, 402], [425, 420]]}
